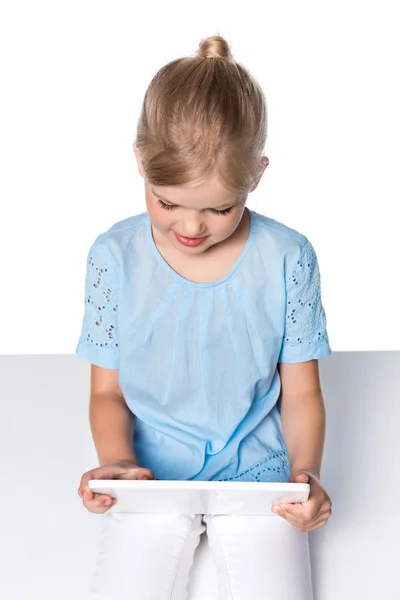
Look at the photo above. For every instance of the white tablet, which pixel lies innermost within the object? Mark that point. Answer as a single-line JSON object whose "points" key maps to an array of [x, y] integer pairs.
{"points": [[199, 497]]}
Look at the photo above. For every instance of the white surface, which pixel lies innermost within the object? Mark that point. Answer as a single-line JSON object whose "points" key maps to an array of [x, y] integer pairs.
{"points": [[199, 497], [49, 541], [73, 79]]}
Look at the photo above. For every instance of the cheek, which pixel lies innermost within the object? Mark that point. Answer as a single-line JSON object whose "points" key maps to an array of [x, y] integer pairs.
{"points": [[230, 223], [159, 217]]}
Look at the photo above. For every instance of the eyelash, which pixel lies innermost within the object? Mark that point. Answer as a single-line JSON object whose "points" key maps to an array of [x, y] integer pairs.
{"points": [[217, 212]]}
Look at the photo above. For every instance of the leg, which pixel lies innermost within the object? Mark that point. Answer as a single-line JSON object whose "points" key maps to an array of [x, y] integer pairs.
{"points": [[145, 556], [259, 557]]}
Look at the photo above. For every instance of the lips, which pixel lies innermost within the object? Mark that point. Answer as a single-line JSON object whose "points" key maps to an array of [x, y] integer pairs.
{"points": [[185, 241]]}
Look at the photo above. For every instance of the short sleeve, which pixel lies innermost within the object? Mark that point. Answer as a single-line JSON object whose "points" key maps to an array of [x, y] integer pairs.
{"points": [[306, 336], [98, 342]]}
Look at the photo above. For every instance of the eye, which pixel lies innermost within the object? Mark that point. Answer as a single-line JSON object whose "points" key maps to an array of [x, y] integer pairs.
{"points": [[226, 211], [163, 205]]}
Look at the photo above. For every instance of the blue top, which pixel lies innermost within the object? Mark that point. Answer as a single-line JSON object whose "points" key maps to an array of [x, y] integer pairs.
{"points": [[198, 361]]}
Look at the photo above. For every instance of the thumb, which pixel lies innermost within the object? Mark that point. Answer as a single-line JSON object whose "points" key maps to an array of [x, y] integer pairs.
{"points": [[299, 478], [145, 474]]}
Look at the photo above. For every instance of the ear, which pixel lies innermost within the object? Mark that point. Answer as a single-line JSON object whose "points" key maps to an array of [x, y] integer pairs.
{"points": [[265, 162], [138, 160]]}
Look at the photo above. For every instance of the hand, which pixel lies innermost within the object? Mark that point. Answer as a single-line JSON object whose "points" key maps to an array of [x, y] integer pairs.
{"points": [[120, 469], [309, 515]]}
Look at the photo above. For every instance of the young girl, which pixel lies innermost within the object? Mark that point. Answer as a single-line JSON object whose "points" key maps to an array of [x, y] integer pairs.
{"points": [[203, 325]]}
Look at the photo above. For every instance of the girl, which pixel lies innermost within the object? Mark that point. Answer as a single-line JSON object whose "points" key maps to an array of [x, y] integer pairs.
{"points": [[203, 325]]}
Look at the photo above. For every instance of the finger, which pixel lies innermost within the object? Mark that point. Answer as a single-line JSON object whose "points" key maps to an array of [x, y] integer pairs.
{"points": [[98, 509], [318, 525], [90, 499], [104, 472], [299, 511], [102, 497], [310, 527], [100, 501], [146, 474], [85, 492], [289, 512], [306, 524], [84, 485], [136, 473], [111, 471], [98, 498], [86, 477]]}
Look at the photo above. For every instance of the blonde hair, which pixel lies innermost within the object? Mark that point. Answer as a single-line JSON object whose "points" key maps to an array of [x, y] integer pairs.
{"points": [[203, 116]]}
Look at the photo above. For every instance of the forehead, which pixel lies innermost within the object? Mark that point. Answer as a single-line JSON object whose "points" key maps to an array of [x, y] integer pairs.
{"points": [[210, 194]]}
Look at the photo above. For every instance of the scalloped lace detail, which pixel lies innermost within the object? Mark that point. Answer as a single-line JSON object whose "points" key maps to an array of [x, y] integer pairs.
{"points": [[100, 302], [305, 320], [274, 468]]}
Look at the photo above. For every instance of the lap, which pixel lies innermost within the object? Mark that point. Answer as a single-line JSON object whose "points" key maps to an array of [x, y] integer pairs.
{"points": [[259, 557], [147, 556]]}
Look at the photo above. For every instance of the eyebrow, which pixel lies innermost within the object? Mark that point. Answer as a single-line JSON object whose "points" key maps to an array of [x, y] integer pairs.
{"points": [[172, 204]]}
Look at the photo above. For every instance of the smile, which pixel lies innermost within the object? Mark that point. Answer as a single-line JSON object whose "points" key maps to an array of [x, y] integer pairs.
{"points": [[189, 241]]}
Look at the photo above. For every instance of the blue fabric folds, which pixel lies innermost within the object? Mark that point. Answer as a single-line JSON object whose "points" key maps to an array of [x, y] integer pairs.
{"points": [[198, 361]]}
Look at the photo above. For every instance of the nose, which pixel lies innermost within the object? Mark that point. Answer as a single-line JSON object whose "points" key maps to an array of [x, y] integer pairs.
{"points": [[193, 226]]}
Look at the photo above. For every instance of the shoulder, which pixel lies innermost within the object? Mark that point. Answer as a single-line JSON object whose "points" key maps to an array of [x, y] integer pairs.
{"points": [[283, 244], [266, 227], [117, 239]]}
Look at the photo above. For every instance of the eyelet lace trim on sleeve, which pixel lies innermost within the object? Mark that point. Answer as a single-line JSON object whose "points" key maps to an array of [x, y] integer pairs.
{"points": [[101, 302], [305, 315]]}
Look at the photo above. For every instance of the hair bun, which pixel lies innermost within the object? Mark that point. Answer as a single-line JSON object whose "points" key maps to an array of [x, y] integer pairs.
{"points": [[214, 47]]}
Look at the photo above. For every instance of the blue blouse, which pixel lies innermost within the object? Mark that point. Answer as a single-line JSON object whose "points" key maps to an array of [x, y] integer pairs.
{"points": [[198, 361]]}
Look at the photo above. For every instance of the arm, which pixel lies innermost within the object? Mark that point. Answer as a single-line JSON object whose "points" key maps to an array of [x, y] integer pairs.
{"points": [[302, 415], [111, 421]]}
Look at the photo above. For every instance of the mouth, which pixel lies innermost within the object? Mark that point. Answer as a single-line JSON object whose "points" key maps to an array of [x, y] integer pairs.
{"points": [[185, 241]]}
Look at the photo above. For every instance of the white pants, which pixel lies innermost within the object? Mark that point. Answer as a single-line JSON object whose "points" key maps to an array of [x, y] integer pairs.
{"points": [[148, 557]]}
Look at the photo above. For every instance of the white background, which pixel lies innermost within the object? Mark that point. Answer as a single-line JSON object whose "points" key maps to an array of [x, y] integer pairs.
{"points": [[73, 77]]}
